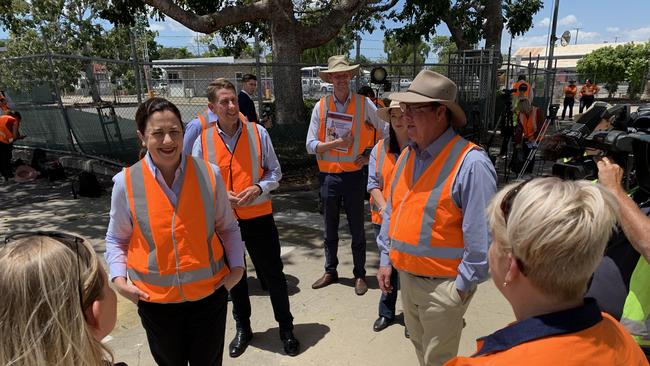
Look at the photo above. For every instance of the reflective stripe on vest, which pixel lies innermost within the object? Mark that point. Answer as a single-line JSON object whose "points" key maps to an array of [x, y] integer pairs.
{"points": [[241, 168], [636, 312], [6, 135], [168, 257], [333, 161], [529, 124], [384, 164], [436, 247]]}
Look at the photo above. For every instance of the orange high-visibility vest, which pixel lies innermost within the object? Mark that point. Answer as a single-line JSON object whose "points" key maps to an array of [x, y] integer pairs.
{"points": [[603, 344], [425, 230], [174, 254], [203, 118], [241, 168], [333, 161], [6, 133], [384, 163], [529, 124], [570, 91], [589, 90]]}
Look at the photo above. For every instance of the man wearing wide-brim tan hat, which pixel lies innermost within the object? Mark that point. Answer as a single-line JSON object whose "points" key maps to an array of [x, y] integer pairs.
{"points": [[341, 156], [434, 231]]}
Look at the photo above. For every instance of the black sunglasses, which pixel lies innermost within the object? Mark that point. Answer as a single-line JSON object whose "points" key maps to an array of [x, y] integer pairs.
{"points": [[69, 240]]}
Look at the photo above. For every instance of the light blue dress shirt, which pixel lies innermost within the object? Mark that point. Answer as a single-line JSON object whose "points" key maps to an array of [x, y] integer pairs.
{"points": [[193, 131], [371, 115], [120, 226], [272, 171], [474, 186]]}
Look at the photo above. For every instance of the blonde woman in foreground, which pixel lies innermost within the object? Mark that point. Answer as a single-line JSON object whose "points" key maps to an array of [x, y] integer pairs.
{"points": [[548, 236], [56, 304]]}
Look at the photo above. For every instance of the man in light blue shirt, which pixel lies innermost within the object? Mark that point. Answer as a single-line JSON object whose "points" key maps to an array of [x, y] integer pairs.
{"points": [[231, 143], [434, 300]]}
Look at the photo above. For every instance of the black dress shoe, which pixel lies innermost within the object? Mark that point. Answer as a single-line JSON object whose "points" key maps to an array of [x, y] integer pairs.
{"points": [[381, 323], [291, 344], [240, 342]]}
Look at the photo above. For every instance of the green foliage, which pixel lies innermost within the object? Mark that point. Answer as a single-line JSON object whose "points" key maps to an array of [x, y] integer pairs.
{"points": [[174, 53], [612, 65], [466, 19], [339, 45], [402, 53]]}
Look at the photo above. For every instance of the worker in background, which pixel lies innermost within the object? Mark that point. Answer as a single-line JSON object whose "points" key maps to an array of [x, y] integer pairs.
{"points": [[570, 92], [9, 133], [521, 87], [587, 94]]}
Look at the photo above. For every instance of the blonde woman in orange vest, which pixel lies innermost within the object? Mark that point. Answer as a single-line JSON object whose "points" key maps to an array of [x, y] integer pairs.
{"points": [[340, 158], [172, 232], [529, 124], [548, 237], [434, 231], [382, 160], [250, 170]]}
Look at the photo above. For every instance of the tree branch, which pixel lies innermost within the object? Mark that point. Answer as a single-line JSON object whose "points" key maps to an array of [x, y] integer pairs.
{"points": [[382, 8], [329, 25], [210, 23]]}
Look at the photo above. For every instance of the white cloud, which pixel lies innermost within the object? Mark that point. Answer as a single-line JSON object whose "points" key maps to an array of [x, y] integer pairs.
{"points": [[639, 34], [544, 22], [528, 41], [613, 29], [157, 27], [586, 37], [568, 20]]}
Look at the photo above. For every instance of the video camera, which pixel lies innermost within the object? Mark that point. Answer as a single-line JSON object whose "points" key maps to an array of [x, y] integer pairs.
{"points": [[583, 143]]}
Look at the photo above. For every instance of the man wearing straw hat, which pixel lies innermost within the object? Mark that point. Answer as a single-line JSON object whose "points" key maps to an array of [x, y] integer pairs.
{"points": [[434, 229], [340, 131]]}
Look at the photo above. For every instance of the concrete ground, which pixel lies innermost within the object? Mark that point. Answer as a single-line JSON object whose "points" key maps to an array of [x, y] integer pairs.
{"points": [[333, 324]]}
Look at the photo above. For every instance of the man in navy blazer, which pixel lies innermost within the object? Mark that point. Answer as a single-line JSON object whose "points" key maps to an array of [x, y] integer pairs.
{"points": [[246, 104]]}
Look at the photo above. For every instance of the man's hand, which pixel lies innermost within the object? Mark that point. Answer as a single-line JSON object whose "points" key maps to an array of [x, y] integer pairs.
{"points": [[129, 291], [233, 277], [383, 277], [345, 141], [234, 200], [610, 174], [248, 195], [361, 160], [462, 295]]}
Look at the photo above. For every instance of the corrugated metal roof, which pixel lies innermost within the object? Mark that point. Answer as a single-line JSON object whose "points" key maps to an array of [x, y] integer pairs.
{"points": [[567, 57]]}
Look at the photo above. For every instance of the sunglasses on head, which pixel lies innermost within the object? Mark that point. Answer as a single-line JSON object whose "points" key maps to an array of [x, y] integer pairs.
{"points": [[71, 241]]}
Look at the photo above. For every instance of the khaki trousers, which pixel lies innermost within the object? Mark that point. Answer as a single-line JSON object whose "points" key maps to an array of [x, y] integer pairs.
{"points": [[433, 313]]}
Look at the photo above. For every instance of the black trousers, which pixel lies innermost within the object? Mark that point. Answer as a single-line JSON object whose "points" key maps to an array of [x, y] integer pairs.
{"points": [[5, 160], [387, 301], [263, 244], [191, 331], [350, 187], [586, 101], [568, 103]]}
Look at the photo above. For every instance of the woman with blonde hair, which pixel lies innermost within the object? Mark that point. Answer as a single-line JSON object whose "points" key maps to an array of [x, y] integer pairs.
{"points": [[56, 304], [548, 237]]}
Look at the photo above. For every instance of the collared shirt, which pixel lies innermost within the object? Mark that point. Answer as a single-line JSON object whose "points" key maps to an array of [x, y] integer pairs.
{"points": [[193, 131], [375, 182], [341, 107], [576, 336], [474, 186], [272, 171], [120, 226]]}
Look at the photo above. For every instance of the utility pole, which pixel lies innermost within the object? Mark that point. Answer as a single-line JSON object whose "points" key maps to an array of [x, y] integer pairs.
{"points": [[507, 85], [258, 71], [577, 31], [136, 69], [357, 60], [549, 60]]}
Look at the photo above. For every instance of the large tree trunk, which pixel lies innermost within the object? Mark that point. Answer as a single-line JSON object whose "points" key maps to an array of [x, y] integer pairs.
{"points": [[287, 87], [493, 24]]}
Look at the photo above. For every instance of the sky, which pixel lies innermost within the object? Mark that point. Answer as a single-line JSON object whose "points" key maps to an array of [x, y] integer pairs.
{"points": [[598, 21]]}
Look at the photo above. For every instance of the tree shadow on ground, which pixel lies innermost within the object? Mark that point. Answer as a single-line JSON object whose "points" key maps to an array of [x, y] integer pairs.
{"points": [[308, 334], [255, 288]]}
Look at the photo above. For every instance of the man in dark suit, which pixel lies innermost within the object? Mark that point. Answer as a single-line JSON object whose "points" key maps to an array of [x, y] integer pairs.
{"points": [[246, 104]]}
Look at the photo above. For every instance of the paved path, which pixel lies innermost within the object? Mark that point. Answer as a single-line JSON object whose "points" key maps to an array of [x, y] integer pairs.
{"points": [[333, 324]]}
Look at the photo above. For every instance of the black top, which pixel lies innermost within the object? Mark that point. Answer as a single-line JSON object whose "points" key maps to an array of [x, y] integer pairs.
{"points": [[247, 107]]}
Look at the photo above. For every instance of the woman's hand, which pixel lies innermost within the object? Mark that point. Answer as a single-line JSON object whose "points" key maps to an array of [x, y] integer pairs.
{"points": [[233, 277], [129, 291]]}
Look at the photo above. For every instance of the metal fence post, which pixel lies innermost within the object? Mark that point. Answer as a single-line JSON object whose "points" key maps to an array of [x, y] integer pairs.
{"points": [[136, 69], [64, 112], [258, 71]]}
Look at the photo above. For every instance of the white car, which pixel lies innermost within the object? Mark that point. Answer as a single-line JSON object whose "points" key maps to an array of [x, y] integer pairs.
{"points": [[405, 83], [326, 87]]}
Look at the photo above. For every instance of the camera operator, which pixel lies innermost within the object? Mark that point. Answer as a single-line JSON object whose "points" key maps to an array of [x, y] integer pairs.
{"points": [[620, 283], [530, 120]]}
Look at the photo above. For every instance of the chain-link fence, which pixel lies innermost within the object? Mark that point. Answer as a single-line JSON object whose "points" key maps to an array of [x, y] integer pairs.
{"points": [[87, 105]]}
